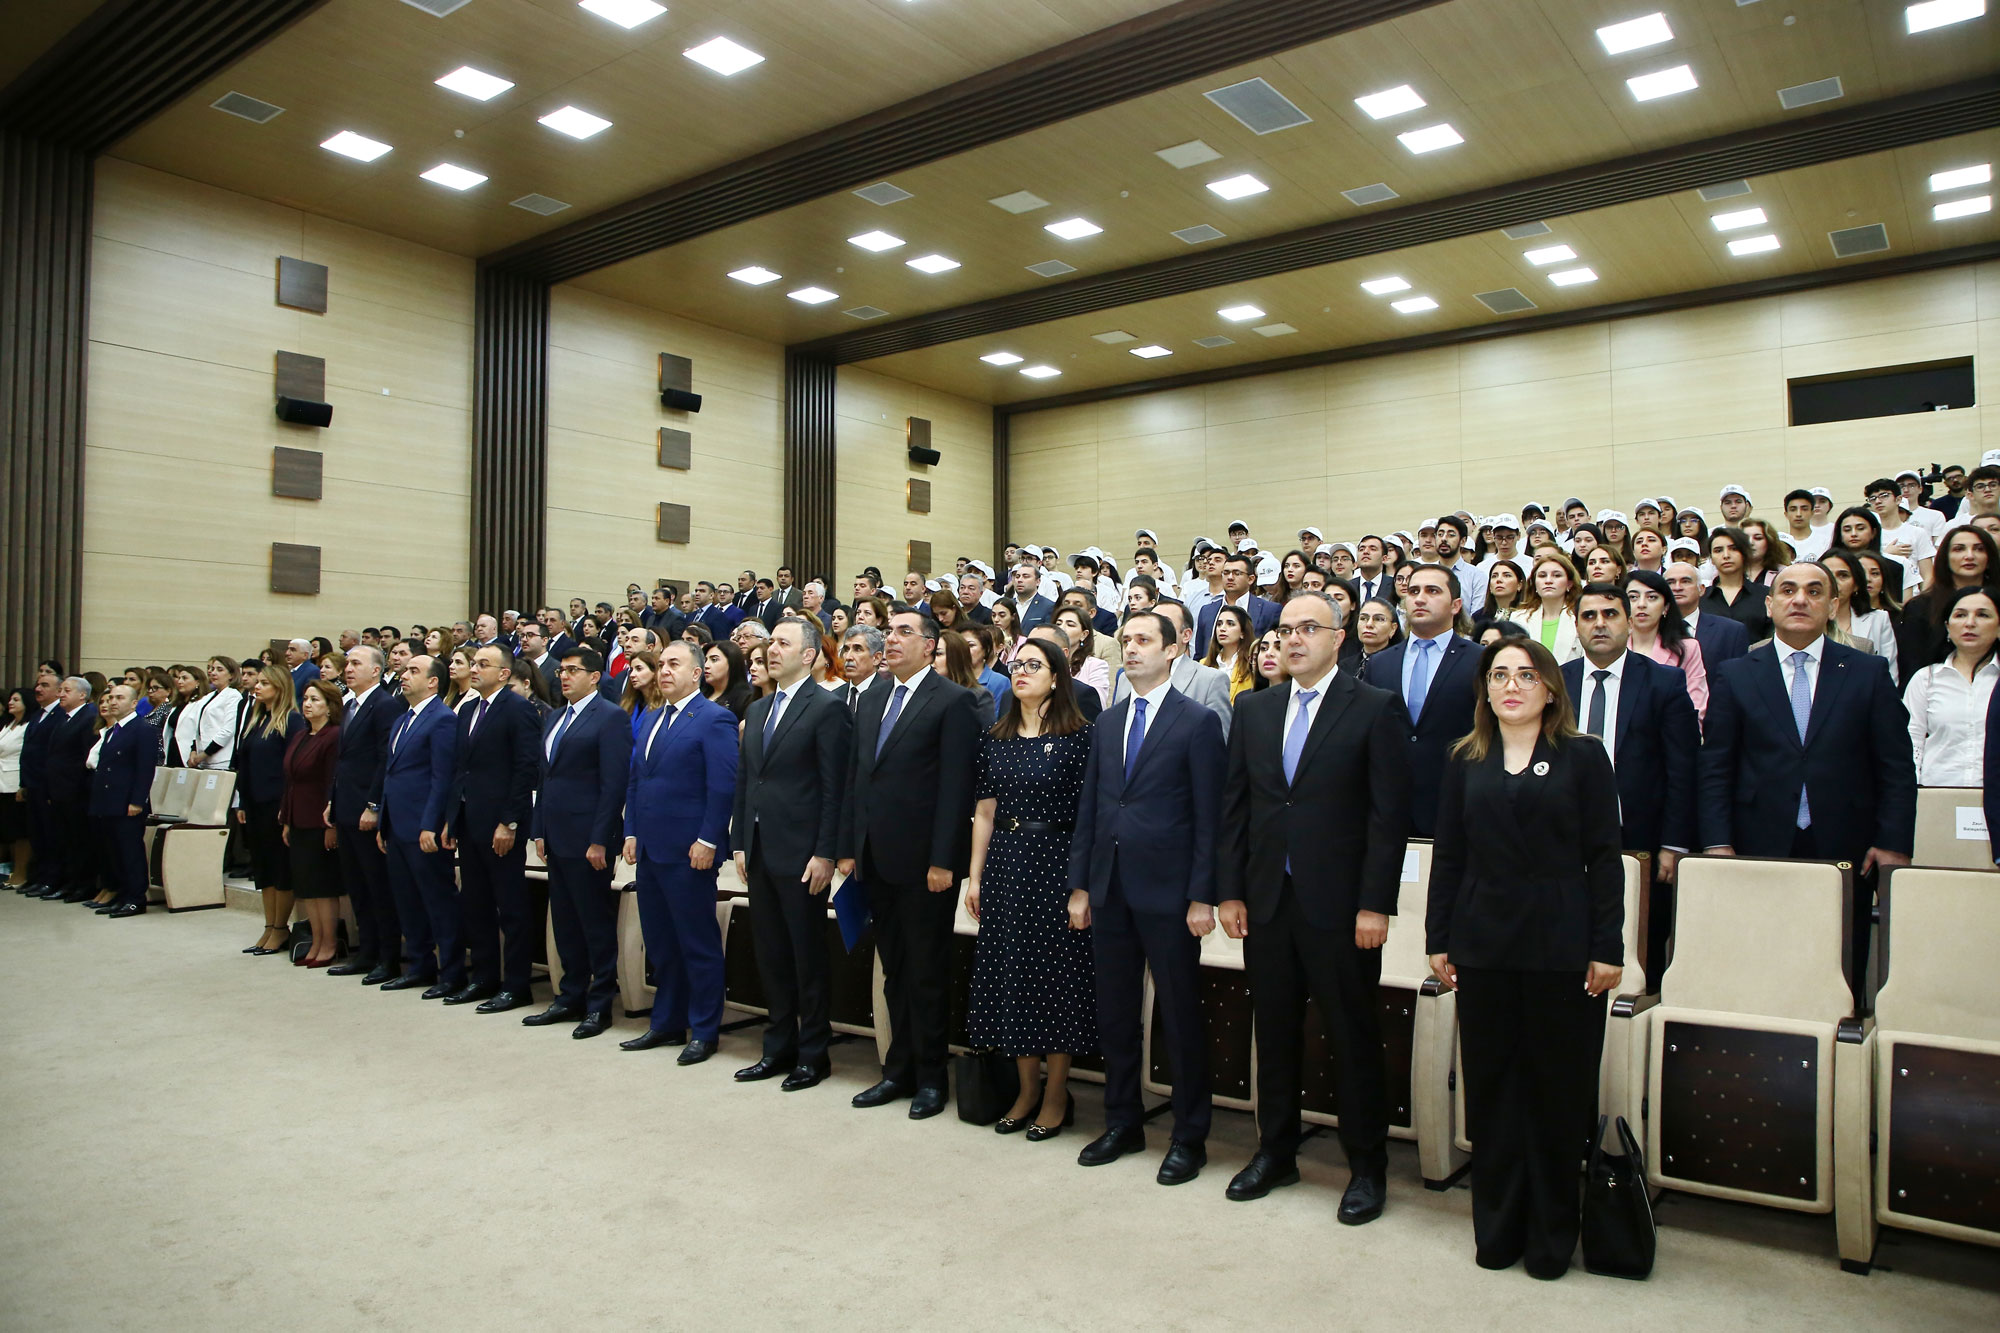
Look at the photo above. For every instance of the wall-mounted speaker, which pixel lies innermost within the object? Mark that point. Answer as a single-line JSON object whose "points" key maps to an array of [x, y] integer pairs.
{"points": [[681, 400], [677, 383], [304, 412], [919, 454]]}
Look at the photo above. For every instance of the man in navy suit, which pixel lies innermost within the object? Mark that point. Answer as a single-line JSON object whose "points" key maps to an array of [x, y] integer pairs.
{"points": [[492, 796], [46, 875], [1641, 710], [1030, 606], [677, 805], [1142, 879], [409, 798], [366, 718], [1721, 639], [718, 615], [68, 781], [1807, 752], [299, 662], [586, 758], [1435, 672], [1238, 572], [120, 791]]}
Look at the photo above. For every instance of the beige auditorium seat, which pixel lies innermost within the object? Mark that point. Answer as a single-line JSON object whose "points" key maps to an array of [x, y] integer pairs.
{"points": [[1225, 1003], [191, 851], [171, 794], [1951, 829], [854, 979], [1926, 1083], [1754, 1026]]}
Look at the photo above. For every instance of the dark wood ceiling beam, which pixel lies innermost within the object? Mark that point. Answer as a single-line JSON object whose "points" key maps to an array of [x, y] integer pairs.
{"points": [[1869, 128], [1115, 64]]}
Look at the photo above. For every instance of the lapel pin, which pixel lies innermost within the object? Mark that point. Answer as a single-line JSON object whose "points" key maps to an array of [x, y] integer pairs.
{"points": [[1542, 769]]}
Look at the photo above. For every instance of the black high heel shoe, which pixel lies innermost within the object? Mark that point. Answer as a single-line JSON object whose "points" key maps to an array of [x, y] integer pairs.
{"points": [[1043, 1133], [1011, 1125]]}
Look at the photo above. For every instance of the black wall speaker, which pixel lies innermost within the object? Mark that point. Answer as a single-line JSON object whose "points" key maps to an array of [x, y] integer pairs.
{"points": [[304, 412], [919, 454], [680, 400]]}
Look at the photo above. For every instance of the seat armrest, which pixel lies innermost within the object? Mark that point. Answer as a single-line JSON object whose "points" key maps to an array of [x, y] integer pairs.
{"points": [[1631, 1006], [1432, 987], [1855, 1031]]}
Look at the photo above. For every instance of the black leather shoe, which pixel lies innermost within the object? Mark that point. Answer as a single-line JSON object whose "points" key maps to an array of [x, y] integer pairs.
{"points": [[78, 896], [555, 1013], [108, 908], [127, 909], [502, 1002], [888, 1090], [1182, 1163], [32, 890], [410, 981], [695, 1052], [358, 968], [378, 974], [1009, 1125], [927, 1103], [1265, 1173], [1363, 1199], [652, 1037], [471, 992], [768, 1067], [1111, 1145], [806, 1076], [440, 990], [594, 1024], [1040, 1133], [46, 892]]}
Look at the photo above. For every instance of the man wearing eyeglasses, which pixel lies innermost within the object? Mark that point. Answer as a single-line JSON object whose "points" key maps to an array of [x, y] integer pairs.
{"points": [[1435, 673], [1311, 897]]}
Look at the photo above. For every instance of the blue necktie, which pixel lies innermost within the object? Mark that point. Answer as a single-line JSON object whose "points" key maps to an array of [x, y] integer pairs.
{"points": [[347, 714], [771, 722], [402, 731], [889, 718], [555, 741], [1135, 736], [1295, 739], [1420, 678], [1802, 716]]}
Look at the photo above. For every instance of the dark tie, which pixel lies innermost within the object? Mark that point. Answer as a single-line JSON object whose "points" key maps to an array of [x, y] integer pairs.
{"points": [[402, 731], [347, 714], [771, 720], [555, 741], [853, 700], [1135, 736], [478, 716], [665, 723], [1596, 724], [889, 718]]}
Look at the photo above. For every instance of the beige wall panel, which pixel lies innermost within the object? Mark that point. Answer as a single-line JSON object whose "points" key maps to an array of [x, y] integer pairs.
{"points": [[606, 397], [1412, 433], [1386, 379], [1844, 456], [1986, 288], [1178, 516], [1535, 417], [1381, 500], [1282, 395], [633, 335], [1912, 301], [1149, 414], [599, 474], [1694, 471], [1143, 464], [411, 445], [1672, 400], [187, 308], [1057, 428], [1274, 512], [1908, 347], [367, 529], [865, 396], [1506, 483], [1048, 477], [1690, 335], [1278, 451], [1555, 354], [383, 271], [144, 504], [150, 402], [597, 555], [1070, 527], [136, 205], [372, 347], [733, 423]]}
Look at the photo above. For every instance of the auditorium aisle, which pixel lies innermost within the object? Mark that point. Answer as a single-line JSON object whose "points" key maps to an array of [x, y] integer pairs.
{"points": [[200, 1139]]}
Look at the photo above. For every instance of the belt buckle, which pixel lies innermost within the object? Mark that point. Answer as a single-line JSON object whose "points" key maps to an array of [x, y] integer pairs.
{"points": [[1013, 824]]}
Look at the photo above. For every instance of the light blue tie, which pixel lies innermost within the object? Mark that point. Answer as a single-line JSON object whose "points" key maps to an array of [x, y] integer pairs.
{"points": [[1135, 736], [1802, 716], [771, 722], [555, 741], [1420, 678], [1295, 739], [402, 731], [889, 718]]}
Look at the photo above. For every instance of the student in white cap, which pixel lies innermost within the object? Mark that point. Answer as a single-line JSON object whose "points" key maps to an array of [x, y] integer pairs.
{"points": [[1146, 560], [1646, 514], [1310, 539], [1735, 504], [1982, 488], [1910, 486], [1808, 542], [1340, 561], [1506, 541]]}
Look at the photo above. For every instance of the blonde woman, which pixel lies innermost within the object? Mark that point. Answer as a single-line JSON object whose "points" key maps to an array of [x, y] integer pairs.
{"points": [[259, 761], [1548, 606]]}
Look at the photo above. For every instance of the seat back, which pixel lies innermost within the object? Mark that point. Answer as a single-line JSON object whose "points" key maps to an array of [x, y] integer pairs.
{"points": [[208, 803], [1951, 829], [178, 795], [1761, 937], [162, 779], [1404, 962], [1946, 926]]}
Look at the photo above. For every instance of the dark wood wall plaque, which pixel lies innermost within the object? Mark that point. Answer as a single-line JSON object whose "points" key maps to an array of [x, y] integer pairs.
{"points": [[294, 569], [676, 522], [676, 448], [919, 496], [302, 376], [301, 285], [296, 473]]}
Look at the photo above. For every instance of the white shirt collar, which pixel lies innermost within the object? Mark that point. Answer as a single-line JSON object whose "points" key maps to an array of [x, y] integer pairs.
{"points": [[1814, 650], [915, 680], [123, 720], [1616, 667], [368, 693], [1319, 686], [1154, 696], [421, 704], [583, 703]]}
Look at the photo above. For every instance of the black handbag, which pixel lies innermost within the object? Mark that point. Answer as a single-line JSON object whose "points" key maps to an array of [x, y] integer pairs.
{"points": [[988, 1082], [1618, 1232]]}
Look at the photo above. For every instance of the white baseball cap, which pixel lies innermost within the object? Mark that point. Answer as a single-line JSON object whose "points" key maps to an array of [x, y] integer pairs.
{"points": [[1696, 512], [1665, 500], [1728, 491], [1316, 534], [1247, 544], [1428, 525], [1033, 550], [1613, 516], [1911, 473], [1688, 544], [1653, 505], [1267, 570], [1143, 533], [985, 570], [1504, 521], [1991, 458], [1239, 523], [1825, 494]]}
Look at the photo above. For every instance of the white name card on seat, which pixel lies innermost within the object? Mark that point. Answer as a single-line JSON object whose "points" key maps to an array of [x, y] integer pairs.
{"points": [[1410, 865], [209, 785], [1971, 823]]}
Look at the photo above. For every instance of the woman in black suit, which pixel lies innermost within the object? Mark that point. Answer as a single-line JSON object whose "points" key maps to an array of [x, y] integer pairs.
{"points": [[1526, 922], [259, 761]]}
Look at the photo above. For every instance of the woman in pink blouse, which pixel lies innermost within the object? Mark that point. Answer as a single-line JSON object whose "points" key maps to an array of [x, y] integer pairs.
{"points": [[1659, 632]]}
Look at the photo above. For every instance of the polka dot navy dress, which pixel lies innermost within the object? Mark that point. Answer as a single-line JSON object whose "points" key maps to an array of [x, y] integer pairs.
{"points": [[1034, 988]]}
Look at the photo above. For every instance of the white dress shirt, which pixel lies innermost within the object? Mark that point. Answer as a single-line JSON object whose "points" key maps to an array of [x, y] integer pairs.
{"points": [[1154, 698], [575, 711], [1813, 651], [1610, 686], [1295, 703], [403, 725], [1948, 723], [908, 695]]}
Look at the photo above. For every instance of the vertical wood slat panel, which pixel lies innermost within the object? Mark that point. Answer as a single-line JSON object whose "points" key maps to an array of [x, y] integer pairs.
{"points": [[509, 535], [809, 465], [1002, 472]]}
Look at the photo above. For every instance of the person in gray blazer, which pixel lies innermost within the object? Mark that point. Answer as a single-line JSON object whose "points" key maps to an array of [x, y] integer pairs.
{"points": [[1205, 685]]}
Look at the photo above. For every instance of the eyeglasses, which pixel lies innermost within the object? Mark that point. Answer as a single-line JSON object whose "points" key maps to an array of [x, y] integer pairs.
{"points": [[1304, 630], [905, 631], [1028, 666], [1525, 677]]}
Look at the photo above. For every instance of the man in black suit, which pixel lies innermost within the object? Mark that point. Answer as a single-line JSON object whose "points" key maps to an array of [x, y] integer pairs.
{"points": [[862, 650], [906, 826], [797, 745], [1311, 897], [1435, 673], [1369, 578], [121, 787], [492, 796], [661, 616], [1807, 751], [1142, 878], [365, 721], [45, 877], [69, 789], [1721, 639], [784, 596], [1641, 710]]}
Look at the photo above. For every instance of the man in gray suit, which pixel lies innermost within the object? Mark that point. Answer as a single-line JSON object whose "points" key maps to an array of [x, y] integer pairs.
{"points": [[1204, 685]]}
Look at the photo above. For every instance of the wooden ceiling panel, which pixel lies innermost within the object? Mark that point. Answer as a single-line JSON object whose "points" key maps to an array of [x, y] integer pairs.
{"points": [[34, 28]]}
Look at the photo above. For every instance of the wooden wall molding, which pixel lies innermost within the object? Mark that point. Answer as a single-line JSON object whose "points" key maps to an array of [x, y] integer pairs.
{"points": [[510, 441], [809, 464]]}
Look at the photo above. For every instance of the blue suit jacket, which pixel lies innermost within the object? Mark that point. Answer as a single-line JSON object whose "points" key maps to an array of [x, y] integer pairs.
{"points": [[583, 787], [718, 619], [1038, 612], [1263, 617], [1657, 739], [124, 775], [686, 788], [363, 744], [304, 674], [493, 776], [1447, 716], [35, 746], [1160, 828], [1721, 639], [415, 780]]}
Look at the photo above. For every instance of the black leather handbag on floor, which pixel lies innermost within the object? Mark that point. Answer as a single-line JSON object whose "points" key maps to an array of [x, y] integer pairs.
{"points": [[988, 1082], [1618, 1234]]}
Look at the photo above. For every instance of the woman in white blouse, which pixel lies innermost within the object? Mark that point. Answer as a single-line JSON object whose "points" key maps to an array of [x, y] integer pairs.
{"points": [[205, 732], [1548, 612], [1948, 701], [13, 805], [1856, 620]]}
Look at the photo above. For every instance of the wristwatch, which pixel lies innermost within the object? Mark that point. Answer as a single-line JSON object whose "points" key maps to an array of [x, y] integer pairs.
{"points": [[510, 827]]}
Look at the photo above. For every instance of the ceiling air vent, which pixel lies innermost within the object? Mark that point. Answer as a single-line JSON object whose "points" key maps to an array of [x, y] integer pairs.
{"points": [[1196, 235], [866, 312], [248, 107], [1261, 108], [540, 203], [1214, 340], [881, 192], [1051, 268], [1522, 231], [1723, 190], [437, 7], [1851, 241], [1805, 94], [1506, 301], [1369, 194]]}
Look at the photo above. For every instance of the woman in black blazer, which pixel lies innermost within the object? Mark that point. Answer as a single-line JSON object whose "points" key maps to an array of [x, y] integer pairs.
{"points": [[1526, 922], [259, 761]]}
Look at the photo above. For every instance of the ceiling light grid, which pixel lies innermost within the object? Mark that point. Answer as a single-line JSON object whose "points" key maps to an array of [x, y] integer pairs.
{"points": [[723, 56]]}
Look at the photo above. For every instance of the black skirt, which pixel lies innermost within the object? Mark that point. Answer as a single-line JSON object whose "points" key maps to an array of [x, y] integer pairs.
{"points": [[315, 871]]}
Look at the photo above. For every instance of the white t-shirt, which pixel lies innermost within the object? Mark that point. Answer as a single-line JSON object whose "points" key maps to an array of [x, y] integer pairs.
{"points": [[1931, 521], [1816, 543], [1922, 547]]}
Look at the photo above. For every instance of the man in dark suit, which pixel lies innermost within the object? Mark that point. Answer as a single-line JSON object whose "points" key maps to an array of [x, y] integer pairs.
{"points": [[1807, 752], [906, 827], [45, 877], [492, 796], [1641, 710], [1721, 639], [1238, 572], [68, 780], [714, 611], [411, 791], [1030, 606], [120, 791], [1370, 579], [1142, 877], [586, 755], [1311, 897], [661, 616], [784, 596], [790, 780], [366, 718], [1435, 673], [555, 633], [299, 662]]}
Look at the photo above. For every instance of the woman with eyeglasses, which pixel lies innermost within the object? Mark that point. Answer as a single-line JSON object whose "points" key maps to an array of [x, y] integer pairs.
{"points": [[1526, 922]]}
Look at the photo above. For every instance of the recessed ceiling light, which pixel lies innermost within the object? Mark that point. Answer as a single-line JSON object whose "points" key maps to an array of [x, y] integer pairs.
{"points": [[1549, 254], [474, 83], [1115, 336], [1183, 155], [575, 123], [1277, 330], [1001, 359], [723, 56], [1939, 13], [1238, 314], [1618, 38], [875, 240], [1413, 305], [756, 275], [349, 144], [1050, 268], [1570, 277], [1214, 340], [1964, 176], [932, 264], [1021, 201], [1073, 229], [1962, 208], [1390, 102], [1749, 217], [1040, 372], [813, 295], [1238, 187], [457, 178], [1753, 245], [625, 13], [883, 193], [1431, 138], [1151, 350], [1383, 286], [1662, 83]]}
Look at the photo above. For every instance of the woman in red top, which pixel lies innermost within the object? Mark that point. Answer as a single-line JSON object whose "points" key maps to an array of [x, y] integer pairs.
{"points": [[310, 757]]}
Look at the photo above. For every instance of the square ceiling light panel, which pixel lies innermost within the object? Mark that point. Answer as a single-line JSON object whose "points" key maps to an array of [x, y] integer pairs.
{"points": [[1941, 13], [625, 13], [1413, 305], [1021, 201], [723, 56], [1662, 83], [756, 275], [813, 295], [1634, 34], [1384, 286], [1961, 178], [1073, 229], [1238, 187], [932, 264], [453, 177], [575, 122], [474, 83], [349, 144], [1390, 102], [1240, 314], [877, 241], [1001, 359], [1431, 138], [1184, 155]]}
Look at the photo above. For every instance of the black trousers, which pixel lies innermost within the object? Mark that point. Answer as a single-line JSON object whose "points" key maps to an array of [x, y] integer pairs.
{"points": [[121, 842], [495, 914], [364, 869], [913, 935], [79, 847], [792, 959], [583, 909], [45, 839], [426, 903], [1123, 942], [1289, 959], [1531, 1043]]}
